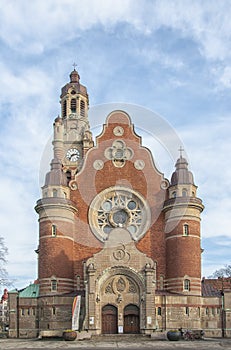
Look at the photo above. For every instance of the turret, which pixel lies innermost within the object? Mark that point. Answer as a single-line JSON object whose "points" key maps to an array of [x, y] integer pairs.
{"points": [[182, 232]]}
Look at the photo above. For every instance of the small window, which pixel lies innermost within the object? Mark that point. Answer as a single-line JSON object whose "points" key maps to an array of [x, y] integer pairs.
{"points": [[78, 282], [187, 284], [218, 311], [185, 230], [187, 310], [53, 310], [199, 311], [174, 194], [161, 282], [73, 105], [207, 311], [55, 193], [23, 312], [54, 285], [82, 108], [184, 192], [159, 311], [53, 230]]}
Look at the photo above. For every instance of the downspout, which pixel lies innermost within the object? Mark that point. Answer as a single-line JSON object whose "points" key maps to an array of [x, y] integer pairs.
{"points": [[17, 317]]}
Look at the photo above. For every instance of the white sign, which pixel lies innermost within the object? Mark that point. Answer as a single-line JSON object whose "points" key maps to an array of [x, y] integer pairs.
{"points": [[120, 329]]}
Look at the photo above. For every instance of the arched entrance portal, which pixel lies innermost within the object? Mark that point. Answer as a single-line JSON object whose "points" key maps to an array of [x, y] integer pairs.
{"points": [[109, 319], [131, 319]]}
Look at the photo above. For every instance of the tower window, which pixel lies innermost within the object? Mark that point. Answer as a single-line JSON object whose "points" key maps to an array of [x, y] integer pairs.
{"points": [[187, 310], [187, 284], [174, 194], [82, 108], [53, 310], [55, 193], [73, 105], [64, 109], [53, 230], [185, 230], [53, 285], [184, 192]]}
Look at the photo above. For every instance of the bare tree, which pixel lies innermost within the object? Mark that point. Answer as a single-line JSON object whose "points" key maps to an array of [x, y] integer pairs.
{"points": [[4, 278], [223, 272]]}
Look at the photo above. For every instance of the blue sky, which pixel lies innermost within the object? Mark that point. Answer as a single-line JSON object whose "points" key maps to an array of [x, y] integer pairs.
{"points": [[171, 57]]}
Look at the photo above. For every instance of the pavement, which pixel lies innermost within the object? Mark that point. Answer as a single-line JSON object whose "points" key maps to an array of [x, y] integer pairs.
{"points": [[141, 342]]}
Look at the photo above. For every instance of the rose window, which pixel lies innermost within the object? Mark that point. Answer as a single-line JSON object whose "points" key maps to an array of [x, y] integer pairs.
{"points": [[118, 207]]}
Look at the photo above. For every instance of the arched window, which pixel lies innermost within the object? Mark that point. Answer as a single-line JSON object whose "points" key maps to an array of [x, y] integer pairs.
{"points": [[187, 284], [159, 311], [55, 193], [184, 192], [64, 109], [187, 310], [185, 230], [53, 230], [73, 105], [82, 108], [174, 194]]}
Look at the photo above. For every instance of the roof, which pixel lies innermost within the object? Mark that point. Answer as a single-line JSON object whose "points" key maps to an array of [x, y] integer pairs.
{"points": [[32, 291], [215, 287]]}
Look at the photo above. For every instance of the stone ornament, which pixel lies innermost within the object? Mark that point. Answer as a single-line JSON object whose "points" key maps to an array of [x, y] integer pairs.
{"points": [[98, 164], [118, 153], [118, 131], [120, 254], [164, 184], [73, 185], [119, 285], [139, 164]]}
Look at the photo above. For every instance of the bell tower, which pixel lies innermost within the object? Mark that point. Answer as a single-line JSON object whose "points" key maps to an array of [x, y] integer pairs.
{"points": [[57, 210], [72, 135]]}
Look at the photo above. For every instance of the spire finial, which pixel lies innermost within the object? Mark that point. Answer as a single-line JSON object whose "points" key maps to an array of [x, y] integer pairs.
{"points": [[181, 150], [74, 65]]}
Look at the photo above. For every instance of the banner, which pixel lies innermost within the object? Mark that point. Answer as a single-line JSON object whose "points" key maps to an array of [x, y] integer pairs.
{"points": [[76, 312]]}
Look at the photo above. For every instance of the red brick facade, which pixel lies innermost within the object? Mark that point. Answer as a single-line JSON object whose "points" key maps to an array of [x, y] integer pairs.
{"points": [[115, 231]]}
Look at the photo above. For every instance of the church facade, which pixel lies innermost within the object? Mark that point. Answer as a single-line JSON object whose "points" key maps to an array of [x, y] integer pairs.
{"points": [[117, 234]]}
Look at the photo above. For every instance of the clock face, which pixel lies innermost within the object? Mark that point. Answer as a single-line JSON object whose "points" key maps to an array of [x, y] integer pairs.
{"points": [[73, 155]]}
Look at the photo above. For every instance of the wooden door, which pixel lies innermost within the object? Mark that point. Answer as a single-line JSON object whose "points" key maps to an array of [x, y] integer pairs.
{"points": [[131, 319], [109, 319]]}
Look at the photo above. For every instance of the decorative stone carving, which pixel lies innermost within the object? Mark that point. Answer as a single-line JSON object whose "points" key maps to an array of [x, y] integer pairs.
{"points": [[139, 164], [108, 289], [120, 254], [98, 164], [73, 185], [120, 285], [118, 153], [118, 131]]}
